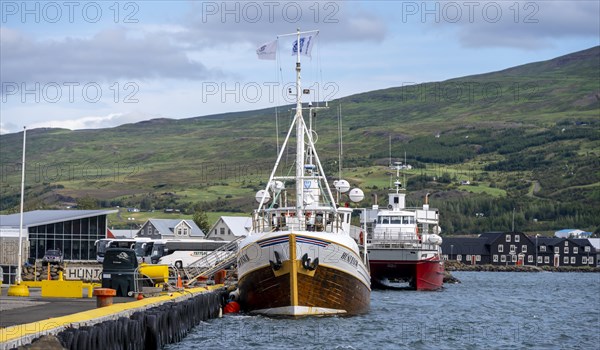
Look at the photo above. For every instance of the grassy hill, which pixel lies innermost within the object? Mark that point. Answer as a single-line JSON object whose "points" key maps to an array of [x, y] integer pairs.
{"points": [[526, 138]]}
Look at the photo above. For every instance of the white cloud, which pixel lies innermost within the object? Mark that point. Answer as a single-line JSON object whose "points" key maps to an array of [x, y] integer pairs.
{"points": [[94, 122], [3, 129], [107, 56], [526, 24]]}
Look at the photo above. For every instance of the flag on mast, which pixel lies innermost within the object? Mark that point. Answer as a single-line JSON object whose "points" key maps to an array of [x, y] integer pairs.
{"points": [[305, 46], [267, 51]]}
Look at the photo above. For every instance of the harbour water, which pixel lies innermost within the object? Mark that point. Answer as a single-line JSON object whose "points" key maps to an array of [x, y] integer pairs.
{"points": [[501, 310]]}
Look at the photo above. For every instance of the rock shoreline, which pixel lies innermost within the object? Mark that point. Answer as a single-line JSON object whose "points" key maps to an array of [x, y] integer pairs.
{"points": [[456, 266]]}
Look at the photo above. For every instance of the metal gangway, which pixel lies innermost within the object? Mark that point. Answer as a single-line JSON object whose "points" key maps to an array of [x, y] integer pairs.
{"points": [[209, 264]]}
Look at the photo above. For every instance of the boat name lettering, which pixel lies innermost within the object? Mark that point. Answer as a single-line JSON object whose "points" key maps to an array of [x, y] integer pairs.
{"points": [[243, 259], [349, 259]]}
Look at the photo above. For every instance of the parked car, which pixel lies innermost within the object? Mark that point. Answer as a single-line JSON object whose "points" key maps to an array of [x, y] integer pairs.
{"points": [[53, 256]]}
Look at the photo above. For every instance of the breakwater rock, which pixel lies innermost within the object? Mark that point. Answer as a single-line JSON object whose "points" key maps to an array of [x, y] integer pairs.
{"points": [[449, 279], [456, 266]]}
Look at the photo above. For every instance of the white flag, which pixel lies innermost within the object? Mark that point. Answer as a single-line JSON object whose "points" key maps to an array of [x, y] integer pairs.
{"points": [[305, 46], [267, 51]]}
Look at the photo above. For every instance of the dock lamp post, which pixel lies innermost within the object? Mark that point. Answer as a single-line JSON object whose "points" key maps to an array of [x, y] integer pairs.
{"points": [[451, 250], [18, 289]]}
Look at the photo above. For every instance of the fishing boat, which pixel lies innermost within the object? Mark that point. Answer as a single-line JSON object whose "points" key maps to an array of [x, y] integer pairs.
{"points": [[404, 244], [299, 258]]}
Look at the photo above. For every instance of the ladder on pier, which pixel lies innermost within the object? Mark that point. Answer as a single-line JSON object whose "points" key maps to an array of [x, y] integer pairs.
{"points": [[209, 264]]}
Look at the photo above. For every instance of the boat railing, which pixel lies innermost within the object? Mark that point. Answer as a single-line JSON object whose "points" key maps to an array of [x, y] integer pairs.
{"points": [[285, 220], [412, 244], [396, 234]]}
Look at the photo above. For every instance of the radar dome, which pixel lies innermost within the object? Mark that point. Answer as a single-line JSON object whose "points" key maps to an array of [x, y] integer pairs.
{"points": [[277, 186], [341, 185], [262, 193], [356, 195]]}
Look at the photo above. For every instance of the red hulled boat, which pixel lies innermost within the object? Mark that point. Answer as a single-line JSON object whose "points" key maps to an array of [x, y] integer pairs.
{"points": [[403, 244]]}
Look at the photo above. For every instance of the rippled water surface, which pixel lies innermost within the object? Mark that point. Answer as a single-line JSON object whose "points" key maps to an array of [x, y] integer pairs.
{"points": [[487, 310]]}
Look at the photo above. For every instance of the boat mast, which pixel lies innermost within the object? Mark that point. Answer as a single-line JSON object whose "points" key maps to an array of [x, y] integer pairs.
{"points": [[299, 135]]}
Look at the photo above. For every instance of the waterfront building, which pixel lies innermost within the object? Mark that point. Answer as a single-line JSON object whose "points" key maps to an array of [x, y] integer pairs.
{"points": [[170, 229], [516, 248], [73, 232], [229, 228]]}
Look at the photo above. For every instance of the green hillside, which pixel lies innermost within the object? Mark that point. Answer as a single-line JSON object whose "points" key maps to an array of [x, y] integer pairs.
{"points": [[526, 138]]}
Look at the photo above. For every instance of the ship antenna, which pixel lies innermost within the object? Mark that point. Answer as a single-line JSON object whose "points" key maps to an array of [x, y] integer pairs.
{"points": [[404, 172], [340, 131]]}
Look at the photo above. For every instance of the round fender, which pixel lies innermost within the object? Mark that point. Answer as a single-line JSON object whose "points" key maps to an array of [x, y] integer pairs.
{"points": [[82, 341], [152, 333], [66, 339]]}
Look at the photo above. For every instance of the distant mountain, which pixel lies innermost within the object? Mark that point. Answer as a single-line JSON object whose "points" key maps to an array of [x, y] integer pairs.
{"points": [[527, 135]]}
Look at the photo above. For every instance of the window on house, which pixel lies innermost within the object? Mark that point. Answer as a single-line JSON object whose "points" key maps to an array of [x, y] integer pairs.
{"points": [[517, 238], [556, 250], [222, 230], [546, 260], [459, 257], [508, 238], [514, 258], [524, 248], [179, 231], [586, 249], [542, 248], [229, 232], [540, 259], [478, 258], [502, 258], [575, 250], [590, 260], [572, 260], [584, 260], [566, 260], [566, 250], [445, 257], [500, 248], [566, 243], [530, 258], [513, 248], [468, 257], [495, 258]]}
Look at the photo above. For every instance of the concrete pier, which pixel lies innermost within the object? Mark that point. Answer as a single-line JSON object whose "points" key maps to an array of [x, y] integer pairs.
{"points": [[149, 323]]}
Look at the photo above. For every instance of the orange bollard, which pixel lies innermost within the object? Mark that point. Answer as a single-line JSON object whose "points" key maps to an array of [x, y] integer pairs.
{"points": [[179, 282], [49, 278], [104, 296], [220, 276]]}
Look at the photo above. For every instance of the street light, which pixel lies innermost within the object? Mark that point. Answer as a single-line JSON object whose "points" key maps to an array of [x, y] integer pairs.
{"points": [[451, 250]]}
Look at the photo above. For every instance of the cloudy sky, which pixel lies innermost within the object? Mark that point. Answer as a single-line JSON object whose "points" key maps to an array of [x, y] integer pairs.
{"points": [[99, 64]]}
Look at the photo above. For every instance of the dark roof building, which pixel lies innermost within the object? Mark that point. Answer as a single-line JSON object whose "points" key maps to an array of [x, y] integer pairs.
{"points": [[74, 232], [505, 248]]}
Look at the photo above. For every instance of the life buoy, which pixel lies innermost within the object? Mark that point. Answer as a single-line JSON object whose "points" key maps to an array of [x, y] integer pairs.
{"points": [[231, 308], [361, 238]]}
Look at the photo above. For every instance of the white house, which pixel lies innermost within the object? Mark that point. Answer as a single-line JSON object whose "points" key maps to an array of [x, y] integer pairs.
{"points": [[228, 228], [170, 228], [572, 233]]}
